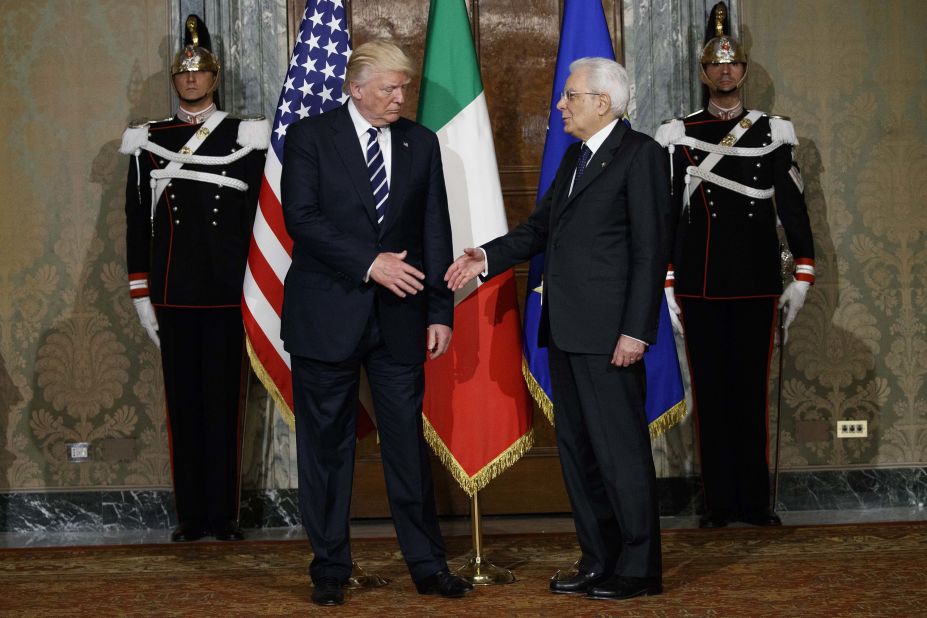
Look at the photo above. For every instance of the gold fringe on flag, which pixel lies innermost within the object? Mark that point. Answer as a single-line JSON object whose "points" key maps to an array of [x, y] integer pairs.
{"points": [[658, 427], [537, 393], [662, 423], [475, 483], [268, 383]]}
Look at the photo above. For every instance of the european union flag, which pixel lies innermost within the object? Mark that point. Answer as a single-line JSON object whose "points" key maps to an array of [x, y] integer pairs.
{"points": [[584, 32]]}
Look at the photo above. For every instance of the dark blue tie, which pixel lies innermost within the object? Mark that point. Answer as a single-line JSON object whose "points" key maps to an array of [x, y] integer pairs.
{"points": [[584, 155], [376, 169]]}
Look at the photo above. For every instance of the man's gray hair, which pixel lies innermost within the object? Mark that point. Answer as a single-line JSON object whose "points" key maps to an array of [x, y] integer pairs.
{"points": [[608, 77]]}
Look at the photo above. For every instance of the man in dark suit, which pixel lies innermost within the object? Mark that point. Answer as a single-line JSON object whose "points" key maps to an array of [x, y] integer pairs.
{"points": [[603, 227], [364, 201]]}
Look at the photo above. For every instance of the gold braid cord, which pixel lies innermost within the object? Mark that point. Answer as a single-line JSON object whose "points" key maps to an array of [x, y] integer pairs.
{"points": [[473, 484], [658, 426]]}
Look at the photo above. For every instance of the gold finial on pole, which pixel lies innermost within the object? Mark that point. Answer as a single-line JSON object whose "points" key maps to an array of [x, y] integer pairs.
{"points": [[479, 571]]}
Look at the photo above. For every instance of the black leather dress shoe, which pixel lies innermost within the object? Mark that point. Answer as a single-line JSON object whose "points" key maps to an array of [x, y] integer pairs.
{"points": [[769, 518], [327, 591], [229, 531], [620, 587], [187, 532], [445, 584], [710, 520], [578, 584]]}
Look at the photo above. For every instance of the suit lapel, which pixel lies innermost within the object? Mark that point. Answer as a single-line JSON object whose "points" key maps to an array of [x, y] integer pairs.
{"points": [[599, 161], [349, 149], [399, 174]]}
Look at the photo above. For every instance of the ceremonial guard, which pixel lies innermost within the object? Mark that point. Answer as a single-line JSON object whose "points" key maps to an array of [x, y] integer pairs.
{"points": [[191, 196], [733, 174]]}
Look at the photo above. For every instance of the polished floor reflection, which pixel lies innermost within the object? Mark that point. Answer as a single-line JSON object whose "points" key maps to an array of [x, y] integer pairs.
{"points": [[383, 528]]}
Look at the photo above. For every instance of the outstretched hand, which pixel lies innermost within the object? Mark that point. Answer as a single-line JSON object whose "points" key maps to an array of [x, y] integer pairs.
{"points": [[465, 268], [392, 272]]}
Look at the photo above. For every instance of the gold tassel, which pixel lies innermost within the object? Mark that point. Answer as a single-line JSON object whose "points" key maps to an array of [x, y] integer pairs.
{"points": [[537, 393]]}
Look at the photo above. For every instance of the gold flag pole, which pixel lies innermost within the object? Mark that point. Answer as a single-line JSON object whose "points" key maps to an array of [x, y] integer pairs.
{"points": [[479, 571]]}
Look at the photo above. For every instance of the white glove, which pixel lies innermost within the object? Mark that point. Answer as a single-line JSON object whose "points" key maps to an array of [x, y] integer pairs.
{"points": [[674, 309], [146, 315], [791, 302]]}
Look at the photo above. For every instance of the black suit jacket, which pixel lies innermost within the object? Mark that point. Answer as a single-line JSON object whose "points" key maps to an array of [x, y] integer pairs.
{"points": [[330, 213], [605, 245]]}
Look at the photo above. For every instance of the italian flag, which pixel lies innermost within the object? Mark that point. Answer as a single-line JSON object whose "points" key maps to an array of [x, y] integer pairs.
{"points": [[477, 410]]}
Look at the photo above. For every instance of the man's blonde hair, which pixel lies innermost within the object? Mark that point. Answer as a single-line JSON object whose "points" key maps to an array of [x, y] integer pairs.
{"points": [[372, 57]]}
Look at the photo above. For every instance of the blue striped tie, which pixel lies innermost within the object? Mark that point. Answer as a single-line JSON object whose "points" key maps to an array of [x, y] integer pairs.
{"points": [[376, 168]]}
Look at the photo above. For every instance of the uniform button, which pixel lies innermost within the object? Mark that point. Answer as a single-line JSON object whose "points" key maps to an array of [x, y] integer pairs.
{"points": [[714, 215], [175, 209], [750, 215], [170, 184], [176, 221], [233, 150], [708, 190], [752, 202], [224, 172], [759, 164], [769, 135], [214, 223], [215, 210], [172, 196], [161, 161], [217, 195]]}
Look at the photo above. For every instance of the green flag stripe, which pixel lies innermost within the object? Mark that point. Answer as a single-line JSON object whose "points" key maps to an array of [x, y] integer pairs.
{"points": [[450, 75]]}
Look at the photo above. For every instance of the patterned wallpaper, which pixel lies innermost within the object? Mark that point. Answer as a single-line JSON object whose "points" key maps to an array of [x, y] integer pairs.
{"points": [[853, 77], [75, 365]]}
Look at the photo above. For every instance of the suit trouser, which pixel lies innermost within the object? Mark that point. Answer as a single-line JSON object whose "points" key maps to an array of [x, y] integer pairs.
{"points": [[607, 463], [201, 356], [325, 396], [729, 346]]}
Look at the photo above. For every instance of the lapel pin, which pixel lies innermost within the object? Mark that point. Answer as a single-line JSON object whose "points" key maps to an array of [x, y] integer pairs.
{"points": [[406, 144], [603, 163]]}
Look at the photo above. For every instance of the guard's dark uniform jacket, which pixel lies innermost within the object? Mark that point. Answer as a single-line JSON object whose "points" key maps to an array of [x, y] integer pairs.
{"points": [[726, 274], [190, 259], [195, 253], [726, 244]]}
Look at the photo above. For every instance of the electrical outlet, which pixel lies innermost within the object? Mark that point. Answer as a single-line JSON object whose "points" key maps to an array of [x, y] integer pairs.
{"points": [[78, 451], [852, 429]]}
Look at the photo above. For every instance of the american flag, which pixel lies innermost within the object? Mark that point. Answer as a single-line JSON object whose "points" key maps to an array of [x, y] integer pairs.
{"points": [[312, 86]]}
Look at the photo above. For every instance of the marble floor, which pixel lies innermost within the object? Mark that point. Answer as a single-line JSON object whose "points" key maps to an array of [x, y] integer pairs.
{"points": [[458, 526]]}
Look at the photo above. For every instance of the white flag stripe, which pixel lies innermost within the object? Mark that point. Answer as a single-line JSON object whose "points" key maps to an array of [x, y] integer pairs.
{"points": [[270, 247], [265, 316], [474, 194]]}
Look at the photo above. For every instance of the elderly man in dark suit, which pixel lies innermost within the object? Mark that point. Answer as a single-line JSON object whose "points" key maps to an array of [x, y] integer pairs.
{"points": [[603, 226], [364, 201]]}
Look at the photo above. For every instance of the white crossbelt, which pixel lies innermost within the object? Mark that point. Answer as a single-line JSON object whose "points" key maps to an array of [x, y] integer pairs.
{"points": [[714, 155]]}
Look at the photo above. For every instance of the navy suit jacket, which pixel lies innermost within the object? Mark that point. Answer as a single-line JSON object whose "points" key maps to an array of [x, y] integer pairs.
{"points": [[329, 210], [605, 245]]}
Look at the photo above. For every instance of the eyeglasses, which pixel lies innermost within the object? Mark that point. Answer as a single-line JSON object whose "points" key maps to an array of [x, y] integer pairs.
{"points": [[570, 96]]}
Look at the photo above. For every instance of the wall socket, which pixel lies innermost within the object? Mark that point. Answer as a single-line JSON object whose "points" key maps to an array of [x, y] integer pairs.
{"points": [[852, 429], [78, 451]]}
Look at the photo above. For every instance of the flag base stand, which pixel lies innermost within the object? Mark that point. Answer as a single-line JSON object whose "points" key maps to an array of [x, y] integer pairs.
{"points": [[478, 570], [361, 579]]}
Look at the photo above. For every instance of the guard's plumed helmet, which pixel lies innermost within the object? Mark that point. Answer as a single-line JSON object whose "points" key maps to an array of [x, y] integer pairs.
{"points": [[196, 54], [722, 47]]}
